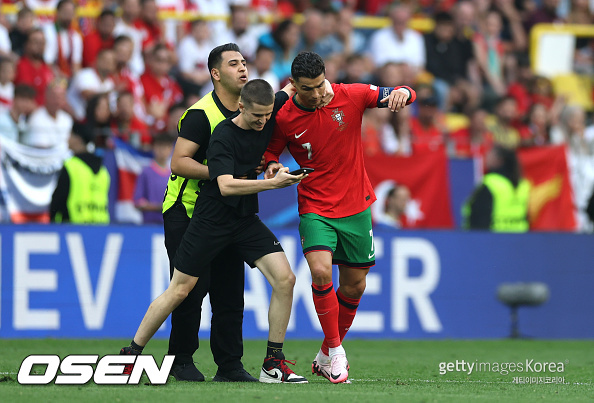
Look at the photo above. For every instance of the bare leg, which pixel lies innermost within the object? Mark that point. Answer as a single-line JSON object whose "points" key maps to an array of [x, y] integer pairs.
{"points": [[277, 271], [352, 281], [179, 287]]}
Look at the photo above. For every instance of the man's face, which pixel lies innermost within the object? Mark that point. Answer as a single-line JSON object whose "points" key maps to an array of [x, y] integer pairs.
{"points": [[56, 95], [106, 25], [240, 19], [65, 15], [125, 107], [24, 105], [161, 63], [123, 51], [106, 64], [149, 11], [233, 73], [310, 91], [506, 111], [36, 45], [255, 115]]}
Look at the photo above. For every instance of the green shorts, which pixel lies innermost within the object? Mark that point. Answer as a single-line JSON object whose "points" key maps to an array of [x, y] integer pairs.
{"points": [[349, 239]]}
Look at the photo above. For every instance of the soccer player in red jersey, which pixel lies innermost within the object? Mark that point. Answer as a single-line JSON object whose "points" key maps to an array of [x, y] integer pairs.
{"points": [[334, 200]]}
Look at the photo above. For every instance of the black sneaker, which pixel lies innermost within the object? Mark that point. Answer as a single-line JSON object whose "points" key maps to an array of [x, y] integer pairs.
{"points": [[186, 372], [128, 351], [235, 375]]}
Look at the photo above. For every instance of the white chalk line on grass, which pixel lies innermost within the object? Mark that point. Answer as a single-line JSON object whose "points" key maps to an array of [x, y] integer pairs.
{"points": [[453, 381], [417, 380]]}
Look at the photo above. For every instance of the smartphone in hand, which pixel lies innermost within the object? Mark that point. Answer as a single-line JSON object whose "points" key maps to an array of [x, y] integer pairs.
{"points": [[301, 171]]}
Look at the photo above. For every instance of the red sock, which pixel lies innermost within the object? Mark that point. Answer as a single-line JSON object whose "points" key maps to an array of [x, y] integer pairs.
{"points": [[347, 309], [326, 304], [346, 313]]}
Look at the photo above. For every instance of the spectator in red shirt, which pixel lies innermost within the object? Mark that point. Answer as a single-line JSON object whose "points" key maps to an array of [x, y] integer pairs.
{"points": [[31, 69], [161, 91], [425, 130], [128, 127], [125, 79], [519, 89], [101, 38], [475, 140], [149, 25]]}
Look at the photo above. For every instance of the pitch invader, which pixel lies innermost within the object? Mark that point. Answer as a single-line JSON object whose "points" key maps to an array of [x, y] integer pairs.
{"points": [[334, 200]]}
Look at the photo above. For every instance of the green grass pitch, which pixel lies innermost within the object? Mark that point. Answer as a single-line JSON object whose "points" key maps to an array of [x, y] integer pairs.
{"points": [[381, 371]]}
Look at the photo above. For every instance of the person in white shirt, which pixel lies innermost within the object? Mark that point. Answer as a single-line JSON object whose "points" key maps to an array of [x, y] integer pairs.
{"points": [[63, 44], [13, 122], [91, 81], [398, 43], [262, 67], [5, 44], [125, 26], [193, 50], [7, 73], [241, 32], [50, 125], [213, 8]]}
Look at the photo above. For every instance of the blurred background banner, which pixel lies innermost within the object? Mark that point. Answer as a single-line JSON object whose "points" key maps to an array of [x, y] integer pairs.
{"points": [[28, 178], [426, 176], [124, 163], [77, 281], [552, 194]]}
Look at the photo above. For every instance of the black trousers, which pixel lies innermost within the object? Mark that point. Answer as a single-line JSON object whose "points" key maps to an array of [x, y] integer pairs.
{"points": [[225, 283]]}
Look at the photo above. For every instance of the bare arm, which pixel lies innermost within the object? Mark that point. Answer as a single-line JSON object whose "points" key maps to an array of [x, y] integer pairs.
{"points": [[230, 186], [183, 163]]}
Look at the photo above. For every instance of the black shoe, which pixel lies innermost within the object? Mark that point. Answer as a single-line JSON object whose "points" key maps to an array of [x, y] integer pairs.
{"points": [[128, 351], [235, 375], [186, 372]]}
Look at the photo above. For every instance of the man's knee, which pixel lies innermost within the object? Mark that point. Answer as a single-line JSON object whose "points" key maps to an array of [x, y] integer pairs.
{"points": [[180, 291], [320, 273], [353, 289]]}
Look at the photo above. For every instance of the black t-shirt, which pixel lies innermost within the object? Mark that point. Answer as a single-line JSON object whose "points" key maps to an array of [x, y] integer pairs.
{"points": [[448, 61], [238, 152], [195, 127]]}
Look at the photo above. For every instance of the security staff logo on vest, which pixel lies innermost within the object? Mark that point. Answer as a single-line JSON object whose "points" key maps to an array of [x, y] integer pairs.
{"points": [[88, 196]]}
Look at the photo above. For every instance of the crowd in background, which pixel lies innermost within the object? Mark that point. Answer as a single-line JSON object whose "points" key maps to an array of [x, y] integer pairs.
{"points": [[130, 74]]}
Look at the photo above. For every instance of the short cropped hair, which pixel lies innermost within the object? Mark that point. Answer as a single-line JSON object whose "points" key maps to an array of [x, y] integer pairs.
{"points": [[308, 65], [257, 91], [215, 57]]}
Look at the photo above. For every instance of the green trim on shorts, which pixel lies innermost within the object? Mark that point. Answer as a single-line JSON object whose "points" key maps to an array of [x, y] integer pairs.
{"points": [[349, 239]]}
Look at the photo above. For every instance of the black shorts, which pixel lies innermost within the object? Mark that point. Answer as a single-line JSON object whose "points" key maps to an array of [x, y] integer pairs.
{"points": [[205, 239]]}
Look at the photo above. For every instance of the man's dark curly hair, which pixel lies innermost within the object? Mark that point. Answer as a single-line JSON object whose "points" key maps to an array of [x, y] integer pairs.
{"points": [[308, 65]]}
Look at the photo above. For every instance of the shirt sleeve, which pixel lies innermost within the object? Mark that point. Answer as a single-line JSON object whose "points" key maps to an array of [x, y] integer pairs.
{"points": [[277, 144], [194, 126], [362, 95], [220, 155]]}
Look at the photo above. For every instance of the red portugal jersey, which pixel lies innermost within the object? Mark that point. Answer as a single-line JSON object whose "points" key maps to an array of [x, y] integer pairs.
{"points": [[329, 140]]}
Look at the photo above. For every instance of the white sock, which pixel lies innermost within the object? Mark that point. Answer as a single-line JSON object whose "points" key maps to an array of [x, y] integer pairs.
{"points": [[323, 358], [336, 350]]}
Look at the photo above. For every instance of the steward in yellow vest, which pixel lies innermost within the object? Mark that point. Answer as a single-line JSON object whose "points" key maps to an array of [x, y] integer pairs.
{"points": [[81, 195], [500, 203], [183, 190]]}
